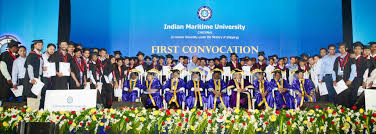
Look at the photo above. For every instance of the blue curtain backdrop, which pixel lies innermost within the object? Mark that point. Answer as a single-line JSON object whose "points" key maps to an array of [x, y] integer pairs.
{"points": [[29, 20], [278, 27], [364, 18]]}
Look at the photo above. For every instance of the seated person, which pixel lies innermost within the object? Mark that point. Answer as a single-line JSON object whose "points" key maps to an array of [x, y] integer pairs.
{"points": [[240, 96], [174, 88], [262, 91], [282, 98], [217, 94], [196, 94], [132, 87], [304, 88], [151, 97]]}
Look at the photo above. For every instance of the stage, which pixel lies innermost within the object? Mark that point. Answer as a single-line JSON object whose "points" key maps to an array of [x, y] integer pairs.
{"points": [[141, 120]]}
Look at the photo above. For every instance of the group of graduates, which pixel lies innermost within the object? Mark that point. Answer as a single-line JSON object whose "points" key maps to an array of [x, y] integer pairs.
{"points": [[196, 82]]}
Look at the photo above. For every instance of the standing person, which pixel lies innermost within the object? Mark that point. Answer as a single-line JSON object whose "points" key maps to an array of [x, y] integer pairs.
{"points": [[59, 81], [18, 69], [154, 64], [33, 65], [269, 69], [327, 73], [46, 79], [193, 64], [361, 67], [261, 64], [78, 71], [282, 67], [107, 78], [6, 64], [234, 63], [345, 70], [96, 77], [119, 75], [223, 62]]}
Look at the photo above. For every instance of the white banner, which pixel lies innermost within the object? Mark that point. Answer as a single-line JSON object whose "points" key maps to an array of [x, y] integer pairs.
{"points": [[370, 99], [69, 100]]}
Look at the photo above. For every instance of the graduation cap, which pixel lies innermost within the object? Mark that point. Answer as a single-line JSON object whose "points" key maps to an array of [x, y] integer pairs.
{"points": [[161, 57], [93, 53], [13, 43], [140, 53], [71, 43], [223, 56], [203, 58], [358, 44], [304, 55], [153, 72], [86, 49], [147, 57], [281, 59], [277, 71], [297, 71], [371, 43], [243, 59], [134, 71], [366, 47], [126, 57], [237, 71], [233, 54], [216, 70], [169, 56], [117, 52], [154, 56], [215, 59], [270, 57], [261, 53], [253, 59], [37, 41], [196, 71], [258, 72], [175, 71]]}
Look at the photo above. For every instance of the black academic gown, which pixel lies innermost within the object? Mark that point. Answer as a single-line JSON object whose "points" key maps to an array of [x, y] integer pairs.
{"points": [[107, 89], [232, 66], [79, 69], [59, 82], [8, 58], [361, 66], [152, 66], [34, 60]]}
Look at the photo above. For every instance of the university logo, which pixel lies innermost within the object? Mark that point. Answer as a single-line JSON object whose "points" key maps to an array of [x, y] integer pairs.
{"points": [[5, 39], [204, 13]]}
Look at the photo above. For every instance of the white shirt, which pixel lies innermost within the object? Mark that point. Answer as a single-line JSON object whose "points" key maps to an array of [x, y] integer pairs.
{"points": [[18, 69]]}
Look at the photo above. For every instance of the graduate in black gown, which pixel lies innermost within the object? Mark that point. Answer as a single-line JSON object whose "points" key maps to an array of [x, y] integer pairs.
{"points": [[154, 64], [78, 71], [361, 67], [59, 81], [33, 65], [95, 76], [119, 75], [107, 78], [7, 59]]}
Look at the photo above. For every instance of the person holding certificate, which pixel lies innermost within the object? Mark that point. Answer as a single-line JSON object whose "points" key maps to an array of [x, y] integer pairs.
{"points": [[60, 81], [344, 69], [78, 71], [18, 70], [33, 65]]}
